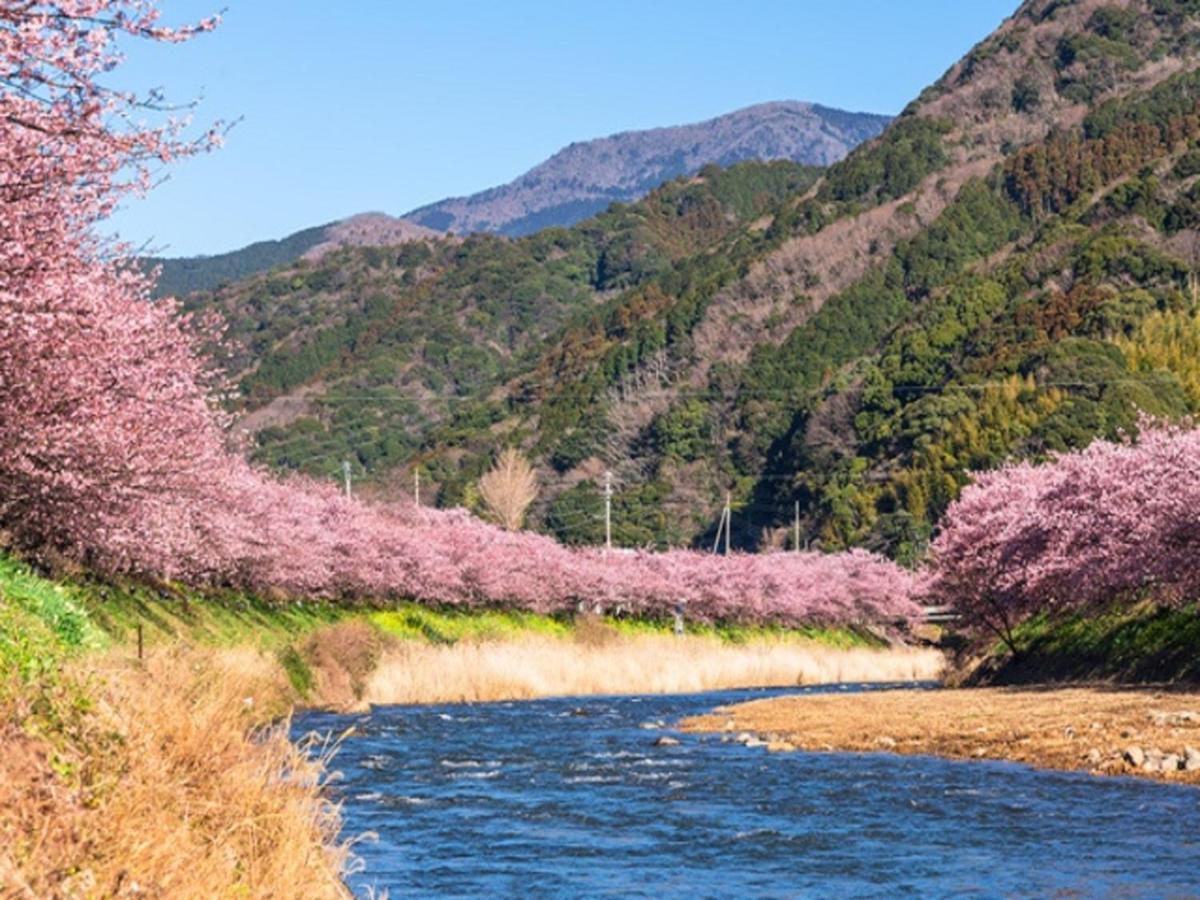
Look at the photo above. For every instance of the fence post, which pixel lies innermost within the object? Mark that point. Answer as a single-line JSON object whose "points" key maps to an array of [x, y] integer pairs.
{"points": [[141, 645]]}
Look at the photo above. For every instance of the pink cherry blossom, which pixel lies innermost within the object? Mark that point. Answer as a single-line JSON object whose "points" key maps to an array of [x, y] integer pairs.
{"points": [[1116, 521], [113, 448]]}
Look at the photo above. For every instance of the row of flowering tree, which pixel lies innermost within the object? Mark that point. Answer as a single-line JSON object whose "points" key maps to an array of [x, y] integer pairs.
{"points": [[1117, 521], [113, 447], [114, 450]]}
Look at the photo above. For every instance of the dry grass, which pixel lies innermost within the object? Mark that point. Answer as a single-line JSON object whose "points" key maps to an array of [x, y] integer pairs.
{"points": [[166, 788], [341, 658], [538, 666]]}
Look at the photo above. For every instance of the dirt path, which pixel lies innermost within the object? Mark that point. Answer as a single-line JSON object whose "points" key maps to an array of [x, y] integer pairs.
{"points": [[1104, 730]]}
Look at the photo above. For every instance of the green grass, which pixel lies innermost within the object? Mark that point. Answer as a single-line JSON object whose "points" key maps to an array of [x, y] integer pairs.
{"points": [[29, 649], [46, 622], [297, 670], [412, 621], [41, 624], [220, 618], [840, 638], [1144, 644], [89, 614]]}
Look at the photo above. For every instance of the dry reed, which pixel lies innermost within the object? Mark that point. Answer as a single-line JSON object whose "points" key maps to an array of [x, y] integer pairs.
{"points": [[537, 666], [170, 785], [168, 789]]}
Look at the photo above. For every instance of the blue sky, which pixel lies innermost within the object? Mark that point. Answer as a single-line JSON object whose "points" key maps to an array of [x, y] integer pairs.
{"points": [[390, 104]]}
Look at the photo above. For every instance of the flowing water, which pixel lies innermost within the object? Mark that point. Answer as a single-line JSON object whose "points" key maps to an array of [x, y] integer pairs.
{"points": [[571, 797]]}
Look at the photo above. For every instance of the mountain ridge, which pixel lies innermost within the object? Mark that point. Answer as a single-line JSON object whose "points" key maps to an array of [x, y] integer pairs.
{"points": [[574, 184], [585, 176]]}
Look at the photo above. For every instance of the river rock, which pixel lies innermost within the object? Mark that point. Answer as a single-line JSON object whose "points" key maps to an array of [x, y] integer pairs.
{"points": [[1170, 763], [666, 741], [780, 746], [1094, 757], [885, 741], [1191, 759], [1181, 717], [1135, 756]]}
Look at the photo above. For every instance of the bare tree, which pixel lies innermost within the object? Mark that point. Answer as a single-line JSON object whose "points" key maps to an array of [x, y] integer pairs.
{"points": [[631, 404], [509, 488]]}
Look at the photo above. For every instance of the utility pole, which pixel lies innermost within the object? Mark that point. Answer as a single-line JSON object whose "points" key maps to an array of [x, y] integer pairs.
{"points": [[796, 528], [720, 528], [728, 519], [724, 525], [346, 476], [608, 492]]}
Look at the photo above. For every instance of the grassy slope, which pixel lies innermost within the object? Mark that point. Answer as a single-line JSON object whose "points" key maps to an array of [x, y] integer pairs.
{"points": [[1147, 644]]}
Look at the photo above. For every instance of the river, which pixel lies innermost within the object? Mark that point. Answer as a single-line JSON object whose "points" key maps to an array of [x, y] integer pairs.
{"points": [[570, 797]]}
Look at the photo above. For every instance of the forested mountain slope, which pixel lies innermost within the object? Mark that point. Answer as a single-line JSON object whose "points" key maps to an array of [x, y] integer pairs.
{"points": [[1008, 270], [378, 352]]}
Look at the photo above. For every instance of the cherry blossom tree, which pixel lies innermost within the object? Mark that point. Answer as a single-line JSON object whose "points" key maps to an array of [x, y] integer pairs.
{"points": [[1114, 522], [104, 397], [113, 448]]}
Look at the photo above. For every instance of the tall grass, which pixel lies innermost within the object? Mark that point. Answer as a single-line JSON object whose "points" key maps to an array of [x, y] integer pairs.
{"points": [[159, 782], [611, 663]]}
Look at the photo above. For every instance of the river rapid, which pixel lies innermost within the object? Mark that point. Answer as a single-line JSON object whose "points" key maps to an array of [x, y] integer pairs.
{"points": [[573, 796]]}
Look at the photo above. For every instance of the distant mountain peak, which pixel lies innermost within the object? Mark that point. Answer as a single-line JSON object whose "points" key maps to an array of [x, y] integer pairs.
{"points": [[586, 176], [369, 229]]}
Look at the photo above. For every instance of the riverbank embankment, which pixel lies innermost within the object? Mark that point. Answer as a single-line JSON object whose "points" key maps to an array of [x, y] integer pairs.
{"points": [[146, 726], [348, 657], [1141, 731]]}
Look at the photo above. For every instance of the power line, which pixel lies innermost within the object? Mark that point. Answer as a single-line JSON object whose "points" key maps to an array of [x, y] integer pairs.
{"points": [[318, 439], [797, 394]]}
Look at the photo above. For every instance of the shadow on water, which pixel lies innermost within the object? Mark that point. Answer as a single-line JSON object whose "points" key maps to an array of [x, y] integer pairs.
{"points": [[572, 796]]}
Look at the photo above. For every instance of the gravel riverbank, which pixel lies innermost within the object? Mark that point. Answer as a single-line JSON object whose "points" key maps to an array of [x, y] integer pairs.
{"points": [[1145, 732]]}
